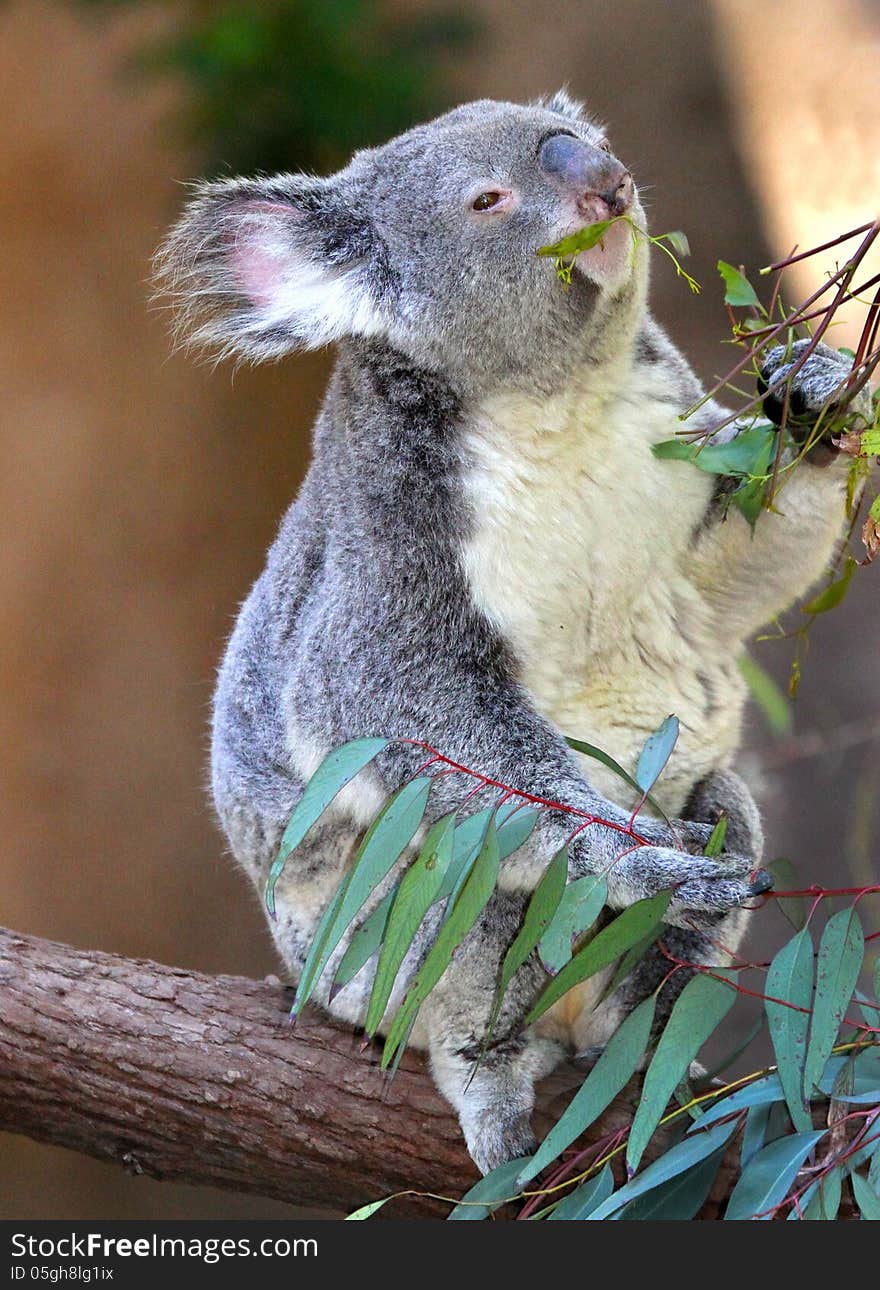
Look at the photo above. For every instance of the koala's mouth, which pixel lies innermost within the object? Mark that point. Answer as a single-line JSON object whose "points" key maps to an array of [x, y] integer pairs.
{"points": [[610, 259]]}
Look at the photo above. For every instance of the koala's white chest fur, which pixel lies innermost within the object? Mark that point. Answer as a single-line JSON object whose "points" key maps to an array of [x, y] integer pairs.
{"points": [[579, 555]]}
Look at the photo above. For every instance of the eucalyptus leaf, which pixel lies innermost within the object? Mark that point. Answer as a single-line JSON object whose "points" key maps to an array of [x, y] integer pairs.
{"points": [[841, 951], [597, 754], [697, 1011], [832, 596], [466, 909], [539, 914], [416, 893], [617, 1063], [826, 1201], [772, 701], [656, 753], [675, 450], [386, 839], [580, 1203], [755, 1132], [746, 454], [717, 837], [489, 1193], [582, 902], [628, 928], [367, 1211], [682, 1197], [866, 1198], [790, 979], [469, 838], [628, 961], [365, 942], [765, 1181], [760, 1092], [738, 291], [336, 770], [684, 1155], [583, 240]]}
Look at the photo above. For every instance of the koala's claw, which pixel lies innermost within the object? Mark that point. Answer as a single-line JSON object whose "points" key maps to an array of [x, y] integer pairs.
{"points": [[815, 387], [762, 882]]}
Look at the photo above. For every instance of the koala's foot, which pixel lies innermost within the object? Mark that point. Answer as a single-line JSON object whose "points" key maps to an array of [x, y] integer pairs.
{"points": [[724, 793], [494, 1136], [816, 389], [495, 1103]]}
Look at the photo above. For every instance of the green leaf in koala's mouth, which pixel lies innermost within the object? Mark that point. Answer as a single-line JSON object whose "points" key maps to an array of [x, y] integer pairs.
{"points": [[583, 240], [566, 251]]}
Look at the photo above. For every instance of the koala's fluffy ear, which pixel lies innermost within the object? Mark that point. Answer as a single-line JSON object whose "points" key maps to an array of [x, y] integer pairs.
{"points": [[265, 266], [564, 104]]}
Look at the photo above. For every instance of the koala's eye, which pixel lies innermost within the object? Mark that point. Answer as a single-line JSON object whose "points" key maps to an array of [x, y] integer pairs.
{"points": [[486, 201], [605, 145]]}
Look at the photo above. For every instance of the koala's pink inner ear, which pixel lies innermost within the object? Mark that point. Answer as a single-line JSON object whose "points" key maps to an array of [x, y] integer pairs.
{"points": [[261, 250]]}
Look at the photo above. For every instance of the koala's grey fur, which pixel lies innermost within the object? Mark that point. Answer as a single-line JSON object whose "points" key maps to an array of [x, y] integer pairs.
{"points": [[484, 554]]}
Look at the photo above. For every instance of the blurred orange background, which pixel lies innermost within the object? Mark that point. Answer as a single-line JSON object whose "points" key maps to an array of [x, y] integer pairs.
{"points": [[139, 492]]}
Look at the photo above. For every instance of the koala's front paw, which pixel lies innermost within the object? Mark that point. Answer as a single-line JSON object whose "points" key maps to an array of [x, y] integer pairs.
{"points": [[817, 387], [495, 1138], [701, 885]]}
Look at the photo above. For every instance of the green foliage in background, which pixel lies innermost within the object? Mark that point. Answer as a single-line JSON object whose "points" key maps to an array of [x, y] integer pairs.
{"points": [[300, 84]]}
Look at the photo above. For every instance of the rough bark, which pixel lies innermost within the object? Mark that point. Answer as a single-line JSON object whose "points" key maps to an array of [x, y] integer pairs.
{"points": [[203, 1080]]}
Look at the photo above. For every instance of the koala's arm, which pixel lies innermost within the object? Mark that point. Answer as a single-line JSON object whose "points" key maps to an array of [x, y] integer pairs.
{"points": [[445, 678], [753, 575]]}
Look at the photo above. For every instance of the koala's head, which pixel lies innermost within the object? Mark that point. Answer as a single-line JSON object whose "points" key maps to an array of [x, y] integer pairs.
{"points": [[429, 243]]}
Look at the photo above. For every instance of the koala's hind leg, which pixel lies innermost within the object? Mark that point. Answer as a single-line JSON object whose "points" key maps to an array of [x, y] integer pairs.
{"points": [[495, 1102]]}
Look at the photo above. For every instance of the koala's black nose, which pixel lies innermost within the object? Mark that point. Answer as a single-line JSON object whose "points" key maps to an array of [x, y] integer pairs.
{"points": [[587, 173]]}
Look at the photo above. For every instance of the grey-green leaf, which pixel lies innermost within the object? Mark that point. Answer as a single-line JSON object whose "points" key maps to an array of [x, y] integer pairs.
{"points": [[699, 1008], [615, 1066], [682, 1156], [764, 1182], [682, 1197], [336, 770], [628, 928], [754, 1133], [364, 943], [582, 902], [495, 1189], [580, 1203], [386, 839], [367, 1211], [790, 979], [761, 1092], [597, 754], [470, 903], [825, 1203], [841, 951], [866, 1198], [656, 753], [539, 913], [416, 893]]}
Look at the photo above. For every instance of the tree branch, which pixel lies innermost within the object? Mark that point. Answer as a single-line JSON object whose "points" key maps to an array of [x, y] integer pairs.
{"points": [[203, 1080]]}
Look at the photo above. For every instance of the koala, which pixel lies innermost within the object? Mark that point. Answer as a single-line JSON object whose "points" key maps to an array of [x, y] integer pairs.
{"points": [[486, 556]]}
